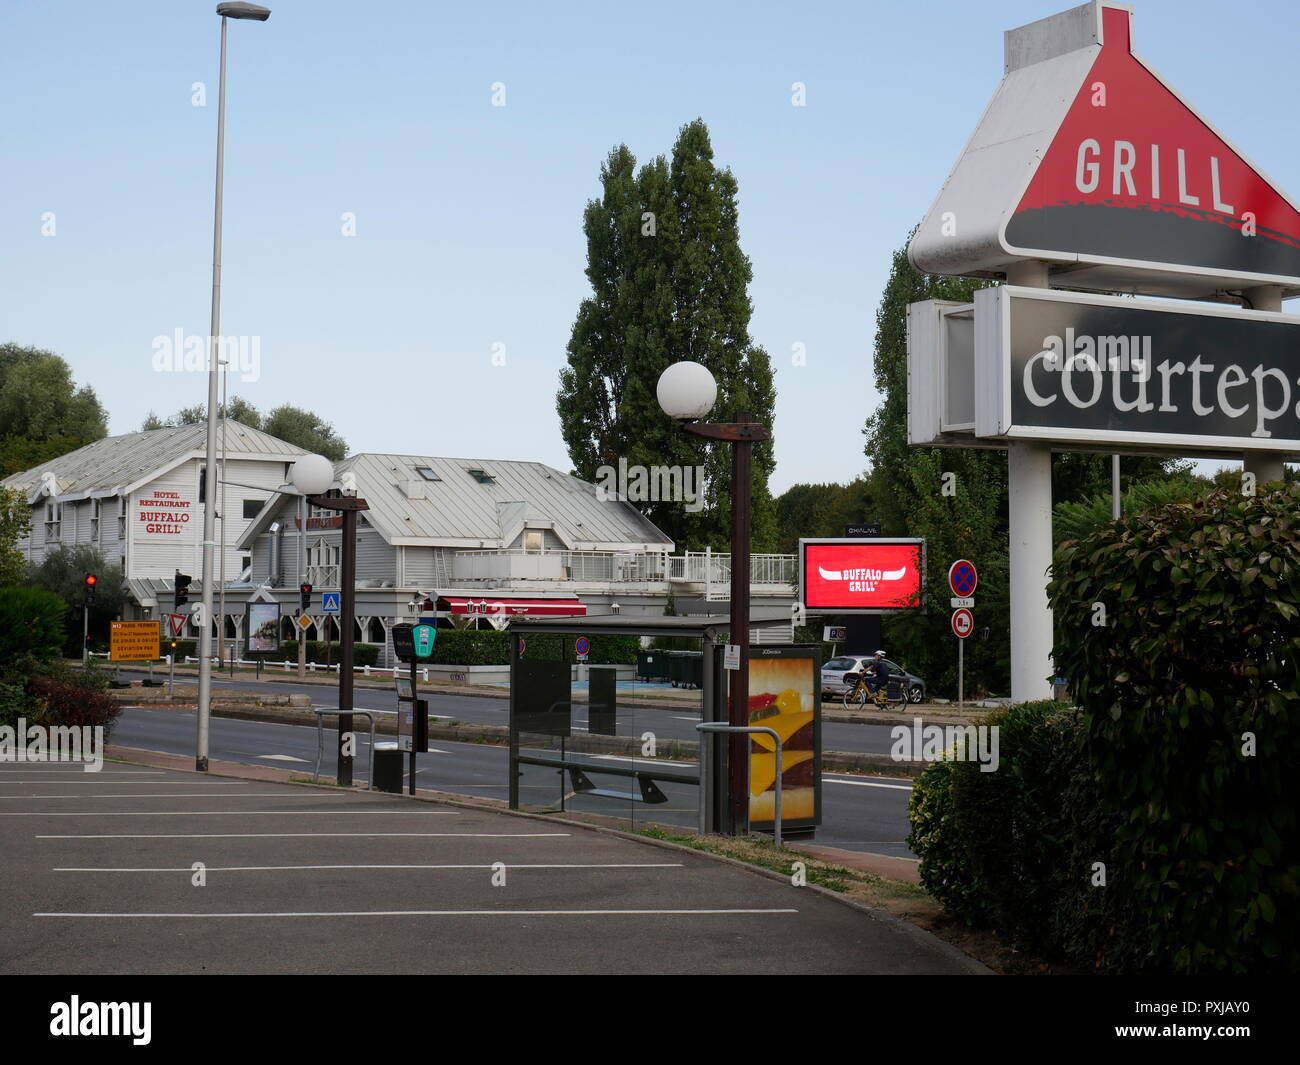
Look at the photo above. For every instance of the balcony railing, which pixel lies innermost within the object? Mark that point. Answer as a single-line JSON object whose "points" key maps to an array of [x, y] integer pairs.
{"points": [[693, 567]]}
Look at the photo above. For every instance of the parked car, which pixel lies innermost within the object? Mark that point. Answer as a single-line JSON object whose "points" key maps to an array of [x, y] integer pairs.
{"points": [[839, 673]]}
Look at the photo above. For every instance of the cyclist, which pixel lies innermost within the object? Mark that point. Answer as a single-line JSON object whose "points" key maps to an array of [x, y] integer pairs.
{"points": [[877, 673]]}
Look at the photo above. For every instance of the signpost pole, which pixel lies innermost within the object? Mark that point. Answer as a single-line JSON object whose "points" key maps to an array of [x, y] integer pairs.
{"points": [[415, 704], [1029, 495], [961, 673]]}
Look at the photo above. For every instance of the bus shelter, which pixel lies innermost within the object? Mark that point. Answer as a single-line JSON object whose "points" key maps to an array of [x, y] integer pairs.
{"points": [[592, 733]]}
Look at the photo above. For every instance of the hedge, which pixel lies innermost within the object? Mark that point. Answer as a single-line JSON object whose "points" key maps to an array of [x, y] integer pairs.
{"points": [[363, 654], [1153, 828], [475, 647], [31, 624]]}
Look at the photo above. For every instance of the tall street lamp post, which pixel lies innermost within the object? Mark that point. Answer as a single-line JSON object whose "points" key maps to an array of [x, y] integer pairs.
{"points": [[259, 14], [687, 392]]}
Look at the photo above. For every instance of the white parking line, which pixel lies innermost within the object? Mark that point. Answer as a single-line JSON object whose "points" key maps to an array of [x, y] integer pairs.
{"points": [[867, 784], [307, 835], [281, 868], [640, 761], [155, 795], [446, 913], [221, 813]]}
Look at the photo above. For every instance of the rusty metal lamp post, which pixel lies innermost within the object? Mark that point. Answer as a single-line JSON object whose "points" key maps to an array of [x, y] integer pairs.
{"points": [[687, 392]]}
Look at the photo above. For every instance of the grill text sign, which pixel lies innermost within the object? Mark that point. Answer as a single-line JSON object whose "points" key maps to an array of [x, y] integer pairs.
{"points": [[1071, 368]]}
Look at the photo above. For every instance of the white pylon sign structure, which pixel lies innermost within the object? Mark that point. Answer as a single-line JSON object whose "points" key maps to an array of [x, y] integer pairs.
{"points": [[1088, 172]]}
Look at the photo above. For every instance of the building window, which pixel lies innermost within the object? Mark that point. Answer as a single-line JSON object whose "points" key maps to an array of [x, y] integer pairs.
{"points": [[203, 484], [427, 473], [252, 508], [533, 540], [121, 519], [482, 476], [53, 521], [94, 521]]}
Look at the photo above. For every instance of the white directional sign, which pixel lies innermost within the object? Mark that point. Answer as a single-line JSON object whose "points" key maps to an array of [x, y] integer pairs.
{"points": [[966, 601]]}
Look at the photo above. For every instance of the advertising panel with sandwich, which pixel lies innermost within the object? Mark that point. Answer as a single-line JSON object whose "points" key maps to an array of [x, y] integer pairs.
{"points": [[784, 695]]}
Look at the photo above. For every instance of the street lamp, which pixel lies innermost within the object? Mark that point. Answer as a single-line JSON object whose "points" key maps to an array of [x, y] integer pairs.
{"points": [[259, 14], [687, 392], [312, 475]]}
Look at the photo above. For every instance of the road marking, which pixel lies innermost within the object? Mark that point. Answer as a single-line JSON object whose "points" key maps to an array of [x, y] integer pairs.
{"points": [[640, 761], [867, 784], [281, 758], [217, 813], [282, 868], [678, 717], [164, 795], [308, 835], [447, 913], [81, 772], [83, 778]]}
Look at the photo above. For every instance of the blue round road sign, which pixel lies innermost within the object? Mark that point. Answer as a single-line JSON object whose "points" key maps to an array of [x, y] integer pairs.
{"points": [[962, 577], [582, 645]]}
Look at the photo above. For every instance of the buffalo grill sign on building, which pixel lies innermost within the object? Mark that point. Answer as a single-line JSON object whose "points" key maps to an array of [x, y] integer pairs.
{"points": [[861, 576], [163, 513]]}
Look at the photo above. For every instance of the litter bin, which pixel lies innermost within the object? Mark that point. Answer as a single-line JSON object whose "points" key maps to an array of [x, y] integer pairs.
{"points": [[388, 768]]}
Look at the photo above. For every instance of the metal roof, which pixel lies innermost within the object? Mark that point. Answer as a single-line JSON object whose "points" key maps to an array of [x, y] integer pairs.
{"points": [[458, 509], [118, 464]]}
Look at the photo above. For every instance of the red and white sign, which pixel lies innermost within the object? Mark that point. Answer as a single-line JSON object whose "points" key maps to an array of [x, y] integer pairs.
{"points": [[860, 576], [1086, 157], [177, 623], [963, 623], [963, 578], [163, 513], [506, 607]]}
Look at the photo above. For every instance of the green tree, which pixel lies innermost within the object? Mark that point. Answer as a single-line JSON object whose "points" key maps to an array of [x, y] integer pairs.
{"points": [[42, 413], [669, 283], [15, 523], [63, 573], [811, 510], [954, 498], [291, 424]]}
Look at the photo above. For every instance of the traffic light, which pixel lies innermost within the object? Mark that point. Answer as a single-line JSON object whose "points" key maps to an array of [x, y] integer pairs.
{"points": [[91, 581], [304, 597], [181, 589]]}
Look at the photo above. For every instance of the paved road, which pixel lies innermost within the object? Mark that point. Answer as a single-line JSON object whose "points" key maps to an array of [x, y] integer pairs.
{"points": [[860, 813], [667, 723], [100, 876]]}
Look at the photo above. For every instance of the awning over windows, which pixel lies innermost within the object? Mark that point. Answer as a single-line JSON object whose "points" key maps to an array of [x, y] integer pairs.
{"points": [[506, 606]]}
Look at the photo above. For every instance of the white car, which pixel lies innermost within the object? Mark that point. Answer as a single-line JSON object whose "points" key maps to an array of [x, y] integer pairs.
{"points": [[837, 673]]}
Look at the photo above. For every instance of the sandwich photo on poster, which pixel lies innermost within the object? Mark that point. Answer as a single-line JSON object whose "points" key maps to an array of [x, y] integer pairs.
{"points": [[784, 695]]}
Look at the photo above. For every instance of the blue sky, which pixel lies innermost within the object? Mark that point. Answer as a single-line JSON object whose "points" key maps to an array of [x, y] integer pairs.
{"points": [[468, 216]]}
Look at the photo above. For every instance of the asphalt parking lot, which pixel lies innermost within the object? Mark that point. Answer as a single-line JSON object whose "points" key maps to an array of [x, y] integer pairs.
{"points": [[139, 869]]}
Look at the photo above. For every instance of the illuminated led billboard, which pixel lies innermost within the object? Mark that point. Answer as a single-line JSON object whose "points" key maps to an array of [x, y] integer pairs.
{"points": [[861, 576]]}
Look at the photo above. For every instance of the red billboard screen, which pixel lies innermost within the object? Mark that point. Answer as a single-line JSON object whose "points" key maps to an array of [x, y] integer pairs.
{"points": [[861, 576]]}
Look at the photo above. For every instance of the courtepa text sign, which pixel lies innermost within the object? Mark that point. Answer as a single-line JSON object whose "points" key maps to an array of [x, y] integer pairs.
{"points": [[1080, 371]]}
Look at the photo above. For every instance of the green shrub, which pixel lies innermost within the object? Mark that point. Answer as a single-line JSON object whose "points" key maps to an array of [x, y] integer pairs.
{"points": [[15, 703], [31, 624], [946, 871], [363, 654], [1191, 692]]}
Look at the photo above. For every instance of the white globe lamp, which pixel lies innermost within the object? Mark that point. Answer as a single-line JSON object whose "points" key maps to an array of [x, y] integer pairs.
{"points": [[312, 475], [686, 391]]}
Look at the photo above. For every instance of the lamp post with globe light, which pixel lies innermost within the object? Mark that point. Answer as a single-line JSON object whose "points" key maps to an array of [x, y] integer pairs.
{"points": [[687, 392]]}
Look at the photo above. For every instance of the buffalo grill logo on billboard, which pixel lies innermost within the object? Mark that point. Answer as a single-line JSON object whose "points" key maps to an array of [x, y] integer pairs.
{"points": [[1135, 174], [855, 576]]}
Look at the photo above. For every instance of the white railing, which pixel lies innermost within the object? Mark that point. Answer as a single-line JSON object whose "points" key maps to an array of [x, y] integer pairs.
{"points": [[693, 567], [323, 576]]}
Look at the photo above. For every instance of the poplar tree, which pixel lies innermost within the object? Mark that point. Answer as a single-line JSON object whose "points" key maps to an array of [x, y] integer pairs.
{"points": [[669, 283]]}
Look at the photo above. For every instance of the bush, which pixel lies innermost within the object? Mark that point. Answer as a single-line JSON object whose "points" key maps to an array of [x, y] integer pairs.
{"points": [[31, 624], [61, 703], [363, 654], [1191, 692], [473, 647]]}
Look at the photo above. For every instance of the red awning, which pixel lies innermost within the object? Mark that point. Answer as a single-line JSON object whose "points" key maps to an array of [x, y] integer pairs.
{"points": [[509, 607]]}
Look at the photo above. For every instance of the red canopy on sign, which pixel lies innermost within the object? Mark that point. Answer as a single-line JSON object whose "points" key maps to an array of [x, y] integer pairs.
{"points": [[500, 606]]}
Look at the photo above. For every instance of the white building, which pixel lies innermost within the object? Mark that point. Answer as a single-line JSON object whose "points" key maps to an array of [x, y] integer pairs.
{"points": [[139, 499]]}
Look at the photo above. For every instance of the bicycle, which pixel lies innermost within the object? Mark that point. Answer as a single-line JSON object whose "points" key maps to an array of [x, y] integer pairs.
{"points": [[889, 696]]}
